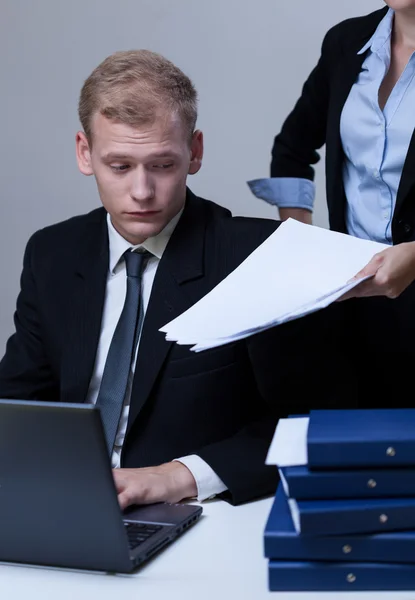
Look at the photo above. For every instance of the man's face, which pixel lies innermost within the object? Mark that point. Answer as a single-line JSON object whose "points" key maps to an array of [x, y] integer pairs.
{"points": [[140, 172]]}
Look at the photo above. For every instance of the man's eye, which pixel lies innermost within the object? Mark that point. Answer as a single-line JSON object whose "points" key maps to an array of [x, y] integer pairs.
{"points": [[119, 168], [163, 166]]}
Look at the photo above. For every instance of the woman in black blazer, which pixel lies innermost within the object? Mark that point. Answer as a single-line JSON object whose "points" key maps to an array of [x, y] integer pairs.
{"points": [[336, 95]]}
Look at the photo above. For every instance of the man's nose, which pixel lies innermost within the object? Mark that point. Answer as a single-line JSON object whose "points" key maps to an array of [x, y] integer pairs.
{"points": [[141, 185]]}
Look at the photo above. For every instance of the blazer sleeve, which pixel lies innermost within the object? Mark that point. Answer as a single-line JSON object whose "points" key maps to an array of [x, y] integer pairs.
{"points": [[304, 130], [25, 372], [239, 461], [297, 366]]}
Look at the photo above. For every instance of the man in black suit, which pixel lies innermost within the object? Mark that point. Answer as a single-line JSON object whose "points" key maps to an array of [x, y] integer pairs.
{"points": [[214, 411]]}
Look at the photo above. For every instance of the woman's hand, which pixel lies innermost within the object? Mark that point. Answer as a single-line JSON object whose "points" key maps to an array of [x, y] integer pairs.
{"points": [[390, 271]]}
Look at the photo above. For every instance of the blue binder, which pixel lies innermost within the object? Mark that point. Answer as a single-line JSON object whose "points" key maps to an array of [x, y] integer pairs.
{"points": [[282, 542], [304, 484], [336, 577], [361, 438], [370, 515]]}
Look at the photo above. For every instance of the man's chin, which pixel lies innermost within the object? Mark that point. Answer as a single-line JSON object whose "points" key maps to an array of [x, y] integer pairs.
{"points": [[140, 233]]}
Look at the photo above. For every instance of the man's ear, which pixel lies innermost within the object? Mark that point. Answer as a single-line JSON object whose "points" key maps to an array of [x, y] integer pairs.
{"points": [[83, 154], [197, 152]]}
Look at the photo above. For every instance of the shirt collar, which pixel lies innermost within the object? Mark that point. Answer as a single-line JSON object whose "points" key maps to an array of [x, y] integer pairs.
{"points": [[155, 245], [382, 34]]}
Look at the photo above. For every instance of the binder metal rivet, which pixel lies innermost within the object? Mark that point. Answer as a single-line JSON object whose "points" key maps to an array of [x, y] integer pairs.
{"points": [[347, 549], [351, 578], [383, 518], [371, 483], [391, 451]]}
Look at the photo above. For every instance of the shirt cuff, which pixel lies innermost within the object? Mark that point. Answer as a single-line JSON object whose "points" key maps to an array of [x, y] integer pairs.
{"points": [[207, 482], [285, 192]]}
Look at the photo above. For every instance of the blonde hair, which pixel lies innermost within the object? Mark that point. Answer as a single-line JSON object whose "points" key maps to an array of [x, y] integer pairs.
{"points": [[135, 87]]}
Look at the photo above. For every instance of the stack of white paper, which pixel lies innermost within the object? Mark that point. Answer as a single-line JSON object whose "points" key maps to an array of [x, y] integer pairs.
{"points": [[289, 449], [299, 269]]}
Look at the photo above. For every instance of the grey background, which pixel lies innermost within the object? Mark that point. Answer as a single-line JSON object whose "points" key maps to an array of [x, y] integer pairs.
{"points": [[248, 60]]}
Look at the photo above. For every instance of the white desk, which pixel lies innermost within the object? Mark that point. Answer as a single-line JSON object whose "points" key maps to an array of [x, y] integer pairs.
{"points": [[220, 558]]}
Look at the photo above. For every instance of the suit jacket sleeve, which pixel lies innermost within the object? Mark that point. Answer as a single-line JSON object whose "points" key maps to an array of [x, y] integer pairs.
{"points": [[25, 372], [239, 461], [304, 130], [297, 366]]}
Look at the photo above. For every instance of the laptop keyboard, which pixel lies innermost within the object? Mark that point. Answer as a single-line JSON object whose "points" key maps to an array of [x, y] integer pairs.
{"points": [[140, 532]]}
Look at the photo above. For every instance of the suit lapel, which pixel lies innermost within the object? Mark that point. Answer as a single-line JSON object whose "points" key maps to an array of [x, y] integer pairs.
{"points": [[182, 262], [87, 285], [407, 177]]}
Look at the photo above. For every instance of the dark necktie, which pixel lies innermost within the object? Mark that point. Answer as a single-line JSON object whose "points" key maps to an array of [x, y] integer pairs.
{"points": [[122, 348]]}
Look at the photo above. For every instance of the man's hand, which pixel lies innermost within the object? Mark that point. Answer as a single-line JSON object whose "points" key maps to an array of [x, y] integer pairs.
{"points": [[392, 269], [170, 482]]}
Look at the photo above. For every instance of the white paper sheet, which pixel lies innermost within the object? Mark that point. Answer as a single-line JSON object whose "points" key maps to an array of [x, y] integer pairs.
{"points": [[284, 483], [289, 445], [295, 514], [297, 270]]}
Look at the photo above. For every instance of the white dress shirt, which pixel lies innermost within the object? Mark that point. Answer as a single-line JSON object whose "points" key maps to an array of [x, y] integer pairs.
{"points": [[208, 483]]}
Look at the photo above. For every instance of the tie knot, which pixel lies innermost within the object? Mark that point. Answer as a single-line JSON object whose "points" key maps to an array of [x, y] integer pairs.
{"points": [[134, 261]]}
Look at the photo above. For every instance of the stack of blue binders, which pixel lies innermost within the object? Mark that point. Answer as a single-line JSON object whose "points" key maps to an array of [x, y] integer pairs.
{"points": [[346, 519]]}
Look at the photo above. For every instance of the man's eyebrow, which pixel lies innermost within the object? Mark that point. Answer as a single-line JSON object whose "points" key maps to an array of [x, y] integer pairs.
{"points": [[164, 154], [115, 156], [109, 156]]}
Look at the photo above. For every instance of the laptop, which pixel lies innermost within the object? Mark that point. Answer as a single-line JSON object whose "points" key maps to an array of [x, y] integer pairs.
{"points": [[58, 502]]}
